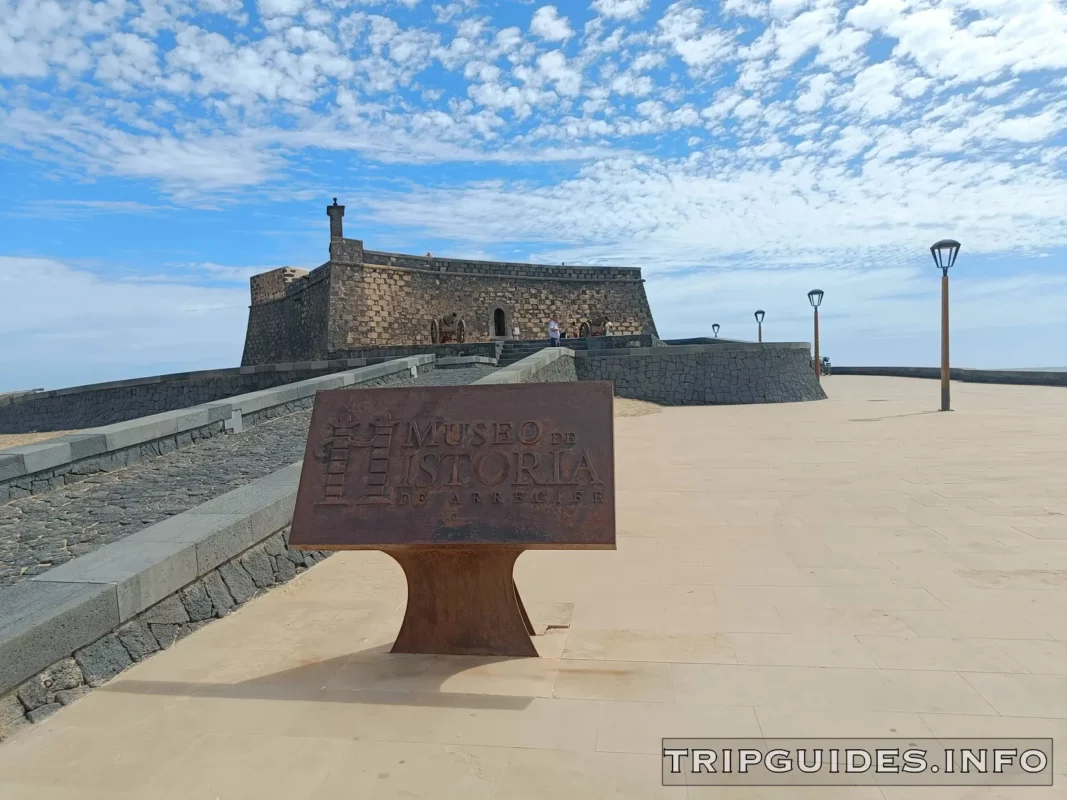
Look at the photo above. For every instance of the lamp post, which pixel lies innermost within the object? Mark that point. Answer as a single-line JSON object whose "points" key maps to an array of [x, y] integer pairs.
{"points": [[715, 329], [815, 298], [759, 321], [944, 253]]}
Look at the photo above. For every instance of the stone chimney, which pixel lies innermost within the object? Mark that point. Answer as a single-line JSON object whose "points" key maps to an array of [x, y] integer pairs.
{"points": [[335, 212]]}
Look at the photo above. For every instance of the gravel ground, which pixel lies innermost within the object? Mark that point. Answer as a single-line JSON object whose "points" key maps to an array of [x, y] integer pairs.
{"points": [[45, 530], [635, 408]]}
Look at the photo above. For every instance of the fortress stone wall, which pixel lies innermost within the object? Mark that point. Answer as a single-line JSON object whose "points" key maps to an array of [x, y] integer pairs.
{"points": [[365, 298], [288, 326]]}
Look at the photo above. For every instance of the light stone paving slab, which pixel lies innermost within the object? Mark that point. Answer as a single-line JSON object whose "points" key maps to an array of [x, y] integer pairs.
{"points": [[809, 569]]}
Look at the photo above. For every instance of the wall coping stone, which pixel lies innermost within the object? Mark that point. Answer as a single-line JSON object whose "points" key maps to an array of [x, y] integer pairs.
{"points": [[685, 349], [961, 374], [18, 462], [70, 606], [493, 276], [38, 394], [41, 623], [716, 340], [527, 367], [381, 258]]}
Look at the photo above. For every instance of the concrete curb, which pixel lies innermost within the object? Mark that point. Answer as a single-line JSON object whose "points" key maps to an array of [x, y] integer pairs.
{"points": [[47, 462], [1001, 376], [526, 369], [464, 361]]}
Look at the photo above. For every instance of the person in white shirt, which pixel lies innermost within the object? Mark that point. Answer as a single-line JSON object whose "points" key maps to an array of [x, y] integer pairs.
{"points": [[553, 332]]}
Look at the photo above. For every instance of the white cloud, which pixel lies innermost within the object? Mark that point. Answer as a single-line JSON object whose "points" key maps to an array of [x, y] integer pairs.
{"points": [[554, 67], [630, 84], [819, 87], [620, 9], [682, 28], [874, 92], [549, 25], [1031, 129]]}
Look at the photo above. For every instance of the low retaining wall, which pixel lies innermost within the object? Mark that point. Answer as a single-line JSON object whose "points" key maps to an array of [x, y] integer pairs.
{"points": [[487, 349], [707, 340], [77, 626], [780, 372], [1007, 376], [551, 365], [36, 468], [620, 342], [77, 407]]}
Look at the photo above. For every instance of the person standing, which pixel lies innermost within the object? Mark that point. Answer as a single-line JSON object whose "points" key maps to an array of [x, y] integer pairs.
{"points": [[553, 332]]}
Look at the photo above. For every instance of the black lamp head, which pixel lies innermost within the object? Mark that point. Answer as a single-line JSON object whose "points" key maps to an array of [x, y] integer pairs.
{"points": [[759, 317], [815, 297], [944, 253]]}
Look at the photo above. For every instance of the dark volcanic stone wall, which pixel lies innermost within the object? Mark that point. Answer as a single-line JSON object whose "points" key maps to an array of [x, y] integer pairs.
{"points": [[707, 375], [103, 404], [562, 370], [292, 327]]}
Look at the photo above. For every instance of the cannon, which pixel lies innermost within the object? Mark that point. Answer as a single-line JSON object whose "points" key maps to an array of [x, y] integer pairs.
{"points": [[598, 326], [449, 328]]}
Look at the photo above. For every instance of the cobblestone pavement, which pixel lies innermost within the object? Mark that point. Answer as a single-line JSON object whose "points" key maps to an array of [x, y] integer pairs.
{"points": [[45, 530]]}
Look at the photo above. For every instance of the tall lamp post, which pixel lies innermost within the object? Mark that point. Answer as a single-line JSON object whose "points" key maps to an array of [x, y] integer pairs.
{"points": [[944, 253], [759, 321], [715, 329], [815, 298]]}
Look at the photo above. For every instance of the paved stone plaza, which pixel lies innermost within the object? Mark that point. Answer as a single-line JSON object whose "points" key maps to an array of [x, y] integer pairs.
{"points": [[45, 530], [862, 566]]}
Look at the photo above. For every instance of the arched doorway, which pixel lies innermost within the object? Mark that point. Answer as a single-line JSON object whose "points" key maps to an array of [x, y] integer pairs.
{"points": [[500, 323]]}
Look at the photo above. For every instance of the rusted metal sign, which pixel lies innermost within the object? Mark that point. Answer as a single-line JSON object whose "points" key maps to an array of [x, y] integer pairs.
{"points": [[528, 465]]}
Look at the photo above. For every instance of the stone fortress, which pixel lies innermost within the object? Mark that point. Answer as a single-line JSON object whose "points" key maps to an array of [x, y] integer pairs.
{"points": [[366, 298]]}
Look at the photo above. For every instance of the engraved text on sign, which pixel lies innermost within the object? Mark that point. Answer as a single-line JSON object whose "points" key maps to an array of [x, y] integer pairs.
{"points": [[530, 465]]}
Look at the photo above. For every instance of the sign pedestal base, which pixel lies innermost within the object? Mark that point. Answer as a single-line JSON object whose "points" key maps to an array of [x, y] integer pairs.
{"points": [[462, 601]]}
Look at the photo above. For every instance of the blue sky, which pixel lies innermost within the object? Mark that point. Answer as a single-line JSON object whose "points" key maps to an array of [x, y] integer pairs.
{"points": [[155, 153]]}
